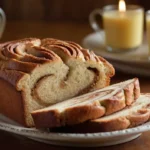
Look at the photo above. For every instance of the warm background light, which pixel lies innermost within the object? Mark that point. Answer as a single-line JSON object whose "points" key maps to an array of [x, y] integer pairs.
{"points": [[122, 6]]}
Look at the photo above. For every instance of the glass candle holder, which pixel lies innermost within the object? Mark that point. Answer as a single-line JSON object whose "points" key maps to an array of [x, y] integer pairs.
{"points": [[123, 29]]}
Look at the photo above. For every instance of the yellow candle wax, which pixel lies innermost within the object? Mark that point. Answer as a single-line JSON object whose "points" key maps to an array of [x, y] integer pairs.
{"points": [[123, 30]]}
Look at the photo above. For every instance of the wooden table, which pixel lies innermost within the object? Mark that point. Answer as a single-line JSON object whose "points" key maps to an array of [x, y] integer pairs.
{"points": [[65, 31]]}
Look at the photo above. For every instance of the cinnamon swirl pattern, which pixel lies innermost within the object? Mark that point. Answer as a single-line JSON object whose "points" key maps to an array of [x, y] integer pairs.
{"points": [[38, 73]]}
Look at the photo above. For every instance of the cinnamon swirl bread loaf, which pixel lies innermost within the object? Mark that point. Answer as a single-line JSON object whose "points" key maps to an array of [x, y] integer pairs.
{"points": [[37, 73]]}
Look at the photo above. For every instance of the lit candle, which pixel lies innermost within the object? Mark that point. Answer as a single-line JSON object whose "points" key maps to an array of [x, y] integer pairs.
{"points": [[123, 27], [122, 6]]}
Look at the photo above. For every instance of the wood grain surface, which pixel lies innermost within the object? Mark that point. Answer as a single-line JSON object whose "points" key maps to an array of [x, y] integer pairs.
{"points": [[11, 141], [65, 31]]}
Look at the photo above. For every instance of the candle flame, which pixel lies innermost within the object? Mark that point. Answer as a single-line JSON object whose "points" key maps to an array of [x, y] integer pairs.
{"points": [[122, 6]]}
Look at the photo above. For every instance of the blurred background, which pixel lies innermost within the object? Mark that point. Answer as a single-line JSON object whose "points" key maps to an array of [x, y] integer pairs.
{"points": [[63, 19], [53, 10]]}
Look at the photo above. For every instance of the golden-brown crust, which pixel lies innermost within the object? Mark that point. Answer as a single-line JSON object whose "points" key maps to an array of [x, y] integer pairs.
{"points": [[25, 67], [114, 103], [93, 127], [119, 123], [53, 115], [71, 116], [74, 115], [137, 90], [20, 58], [11, 76], [139, 117], [109, 67], [11, 102]]}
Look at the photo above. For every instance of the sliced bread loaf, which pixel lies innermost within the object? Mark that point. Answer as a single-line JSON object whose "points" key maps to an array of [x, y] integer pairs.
{"points": [[32, 76], [89, 106]]}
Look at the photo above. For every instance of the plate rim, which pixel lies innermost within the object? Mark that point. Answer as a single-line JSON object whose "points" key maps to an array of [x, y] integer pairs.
{"points": [[123, 59], [87, 136]]}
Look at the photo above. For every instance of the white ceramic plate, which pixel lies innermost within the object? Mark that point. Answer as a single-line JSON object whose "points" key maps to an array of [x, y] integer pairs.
{"points": [[76, 140], [135, 62]]}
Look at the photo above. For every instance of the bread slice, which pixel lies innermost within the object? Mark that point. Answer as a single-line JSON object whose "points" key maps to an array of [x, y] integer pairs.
{"points": [[131, 116], [89, 106], [34, 77]]}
